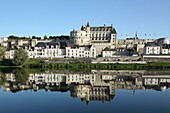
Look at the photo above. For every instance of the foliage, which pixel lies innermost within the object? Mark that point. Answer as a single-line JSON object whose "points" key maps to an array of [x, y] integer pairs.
{"points": [[7, 62], [84, 66], [34, 37], [21, 75], [2, 79], [2, 53], [20, 57], [45, 37], [62, 37], [18, 37]]}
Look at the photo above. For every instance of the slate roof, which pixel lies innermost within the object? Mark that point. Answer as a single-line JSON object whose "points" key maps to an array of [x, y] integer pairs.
{"points": [[11, 49], [52, 44], [87, 47], [151, 44], [63, 44], [166, 46], [117, 49], [108, 49], [40, 44], [104, 28]]}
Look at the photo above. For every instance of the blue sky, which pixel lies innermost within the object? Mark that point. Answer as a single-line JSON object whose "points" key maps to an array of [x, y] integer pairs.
{"points": [[59, 17]]}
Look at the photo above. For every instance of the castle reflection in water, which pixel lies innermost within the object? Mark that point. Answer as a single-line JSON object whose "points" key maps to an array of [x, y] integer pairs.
{"points": [[100, 85]]}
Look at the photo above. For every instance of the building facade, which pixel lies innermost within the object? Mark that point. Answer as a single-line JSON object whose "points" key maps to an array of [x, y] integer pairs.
{"points": [[80, 51], [152, 48], [100, 37], [166, 49]]}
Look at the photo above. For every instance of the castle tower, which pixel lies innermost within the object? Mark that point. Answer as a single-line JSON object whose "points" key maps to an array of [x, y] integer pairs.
{"points": [[113, 37], [81, 37]]}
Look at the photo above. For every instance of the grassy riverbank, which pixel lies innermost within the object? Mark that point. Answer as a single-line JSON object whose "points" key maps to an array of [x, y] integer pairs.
{"points": [[38, 63], [81, 64]]}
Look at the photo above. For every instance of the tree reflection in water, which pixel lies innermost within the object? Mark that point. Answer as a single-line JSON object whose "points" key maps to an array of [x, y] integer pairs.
{"points": [[21, 75], [2, 79]]}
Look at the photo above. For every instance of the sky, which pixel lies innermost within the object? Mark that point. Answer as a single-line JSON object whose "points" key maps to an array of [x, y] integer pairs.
{"points": [[149, 18]]}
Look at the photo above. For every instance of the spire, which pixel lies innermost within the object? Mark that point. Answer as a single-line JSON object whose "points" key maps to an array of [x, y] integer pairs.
{"points": [[82, 28], [88, 25], [136, 35]]}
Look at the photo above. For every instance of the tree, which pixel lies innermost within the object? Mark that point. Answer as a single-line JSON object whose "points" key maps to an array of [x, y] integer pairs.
{"points": [[45, 37], [20, 57], [33, 37], [2, 53]]}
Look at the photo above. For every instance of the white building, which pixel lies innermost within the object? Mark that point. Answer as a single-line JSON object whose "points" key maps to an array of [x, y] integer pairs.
{"points": [[107, 52], [152, 48], [166, 49], [48, 78], [47, 50], [53, 50], [81, 78], [118, 52], [9, 54], [81, 51]]}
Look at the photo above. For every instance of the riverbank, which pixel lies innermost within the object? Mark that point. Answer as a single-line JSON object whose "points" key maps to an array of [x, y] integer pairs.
{"points": [[84, 64], [37, 63]]}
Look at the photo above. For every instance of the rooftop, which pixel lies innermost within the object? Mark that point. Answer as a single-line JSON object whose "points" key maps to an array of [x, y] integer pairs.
{"points": [[103, 28], [166, 46], [151, 44]]}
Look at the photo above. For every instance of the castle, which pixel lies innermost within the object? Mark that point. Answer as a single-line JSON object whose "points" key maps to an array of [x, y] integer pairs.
{"points": [[100, 37]]}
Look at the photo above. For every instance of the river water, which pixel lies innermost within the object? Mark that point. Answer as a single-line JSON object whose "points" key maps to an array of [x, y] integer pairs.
{"points": [[95, 91]]}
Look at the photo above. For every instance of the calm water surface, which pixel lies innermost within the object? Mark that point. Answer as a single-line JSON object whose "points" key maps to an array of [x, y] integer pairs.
{"points": [[86, 92]]}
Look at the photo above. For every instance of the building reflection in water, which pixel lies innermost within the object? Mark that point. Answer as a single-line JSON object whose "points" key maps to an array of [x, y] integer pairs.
{"points": [[89, 86]]}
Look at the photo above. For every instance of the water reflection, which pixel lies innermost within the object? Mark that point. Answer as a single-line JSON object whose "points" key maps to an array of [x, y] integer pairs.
{"points": [[88, 86]]}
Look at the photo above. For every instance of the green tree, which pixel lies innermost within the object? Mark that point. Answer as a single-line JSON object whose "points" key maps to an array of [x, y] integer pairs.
{"points": [[45, 37], [33, 37], [20, 57], [2, 53]]}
